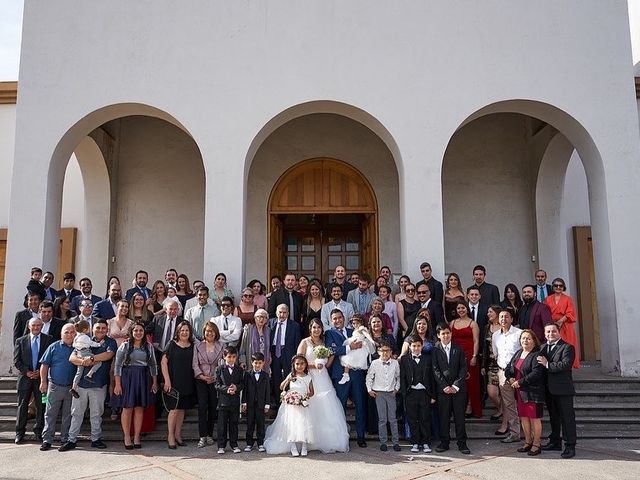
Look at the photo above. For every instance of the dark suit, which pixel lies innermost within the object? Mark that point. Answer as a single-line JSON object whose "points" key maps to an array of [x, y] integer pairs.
{"points": [[489, 294], [26, 386], [560, 392], [51, 294], [228, 405], [75, 302], [55, 328], [481, 314], [450, 373], [532, 380], [417, 402], [547, 287], [21, 323], [281, 295], [132, 291], [73, 293], [435, 287], [436, 314], [281, 366], [354, 388], [256, 396], [103, 309]]}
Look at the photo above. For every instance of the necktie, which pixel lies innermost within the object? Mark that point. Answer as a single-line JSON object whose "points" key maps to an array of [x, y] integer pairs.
{"points": [[291, 306], [473, 312], [279, 340], [167, 334], [201, 319], [551, 345], [35, 349], [386, 364], [446, 350], [143, 291], [543, 292], [226, 323]]}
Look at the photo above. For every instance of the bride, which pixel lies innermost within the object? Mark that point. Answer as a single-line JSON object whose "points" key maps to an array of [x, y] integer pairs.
{"points": [[326, 415]]}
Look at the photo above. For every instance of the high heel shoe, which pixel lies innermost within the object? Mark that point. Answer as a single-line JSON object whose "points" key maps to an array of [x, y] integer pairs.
{"points": [[171, 447], [294, 450], [525, 448], [537, 451], [128, 447]]}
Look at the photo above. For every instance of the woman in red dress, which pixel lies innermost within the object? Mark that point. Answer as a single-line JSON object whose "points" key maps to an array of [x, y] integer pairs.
{"points": [[563, 313], [526, 376], [466, 333]]}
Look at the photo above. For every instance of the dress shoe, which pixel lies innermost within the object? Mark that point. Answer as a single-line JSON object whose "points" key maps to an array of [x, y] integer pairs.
{"points": [[137, 446], [362, 443], [396, 447], [443, 447], [98, 444], [383, 447], [511, 438], [501, 432], [45, 446], [535, 450], [464, 449], [19, 439], [551, 446], [67, 446], [568, 452]]}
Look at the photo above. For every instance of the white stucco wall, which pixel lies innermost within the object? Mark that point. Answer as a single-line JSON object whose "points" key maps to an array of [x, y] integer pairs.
{"points": [[321, 135], [7, 139], [73, 214], [238, 65]]}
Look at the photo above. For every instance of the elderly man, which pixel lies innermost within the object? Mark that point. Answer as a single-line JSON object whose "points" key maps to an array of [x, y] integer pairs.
{"points": [[92, 392], [26, 358], [199, 315], [56, 377], [285, 337]]}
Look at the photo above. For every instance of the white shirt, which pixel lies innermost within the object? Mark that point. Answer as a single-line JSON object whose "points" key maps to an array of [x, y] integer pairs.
{"points": [[231, 334], [383, 376], [426, 304], [473, 313], [505, 345], [46, 326], [192, 302]]}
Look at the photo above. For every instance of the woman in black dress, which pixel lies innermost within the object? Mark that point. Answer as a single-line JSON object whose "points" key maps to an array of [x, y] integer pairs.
{"points": [[312, 306], [407, 311], [177, 369]]}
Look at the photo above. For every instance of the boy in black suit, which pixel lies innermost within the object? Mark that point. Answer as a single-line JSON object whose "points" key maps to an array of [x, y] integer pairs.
{"points": [[449, 371], [256, 400], [229, 383], [416, 385]]}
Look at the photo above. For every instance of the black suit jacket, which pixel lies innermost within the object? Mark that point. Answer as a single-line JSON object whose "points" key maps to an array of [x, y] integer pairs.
{"points": [[559, 376], [280, 296], [72, 294], [256, 393], [158, 326], [449, 373], [55, 330], [22, 358], [435, 287], [291, 339], [21, 323], [532, 381], [436, 313], [224, 380], [412, 373], [489, 294], [75, 302]]}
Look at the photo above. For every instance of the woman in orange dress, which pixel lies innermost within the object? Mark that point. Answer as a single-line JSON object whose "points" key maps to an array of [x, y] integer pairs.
{"points": [[563, 313]]}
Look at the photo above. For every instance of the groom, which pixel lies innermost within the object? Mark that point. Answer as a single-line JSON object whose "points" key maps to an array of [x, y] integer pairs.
{"points": [[355, 388]]}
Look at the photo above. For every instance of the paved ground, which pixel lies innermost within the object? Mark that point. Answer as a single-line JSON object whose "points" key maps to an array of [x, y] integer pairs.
{"points": [[615, 460]]}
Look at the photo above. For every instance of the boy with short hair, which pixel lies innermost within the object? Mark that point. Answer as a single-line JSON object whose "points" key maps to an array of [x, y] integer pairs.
{"points": [[416, 384], [229, 383], [383, 383], [256, 400], [449, 371]]}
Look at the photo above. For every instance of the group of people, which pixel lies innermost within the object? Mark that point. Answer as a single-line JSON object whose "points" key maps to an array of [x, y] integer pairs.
{"points": [[409, 356]]}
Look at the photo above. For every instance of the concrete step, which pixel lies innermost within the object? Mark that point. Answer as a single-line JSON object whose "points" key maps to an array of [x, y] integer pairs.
{"points": [[597, 396]]}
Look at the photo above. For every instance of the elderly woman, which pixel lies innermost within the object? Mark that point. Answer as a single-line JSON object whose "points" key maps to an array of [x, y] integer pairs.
{"points": [[177, 370], [134, 365], [563, 314], [206, 356], [527, 377], [377, 310], [256, 338]]}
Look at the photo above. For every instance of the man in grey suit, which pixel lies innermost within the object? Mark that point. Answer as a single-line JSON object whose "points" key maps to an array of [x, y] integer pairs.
{"points": [[361, 297]]}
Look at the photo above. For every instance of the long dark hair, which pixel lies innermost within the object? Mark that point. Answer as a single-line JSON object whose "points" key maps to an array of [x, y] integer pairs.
{"points": [[514, 289], [307, 296], [293, 360], [130, 342], [317, 321]]}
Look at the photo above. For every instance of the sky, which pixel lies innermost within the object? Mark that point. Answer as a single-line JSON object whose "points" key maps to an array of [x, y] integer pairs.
{"points": [[10, 34], [11, 28]]}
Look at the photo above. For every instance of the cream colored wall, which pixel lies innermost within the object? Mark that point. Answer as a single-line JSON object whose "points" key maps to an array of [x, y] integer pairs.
{"points": [[160, 200], [7, 137], [488, 186], [73, 213], [321, 135]]}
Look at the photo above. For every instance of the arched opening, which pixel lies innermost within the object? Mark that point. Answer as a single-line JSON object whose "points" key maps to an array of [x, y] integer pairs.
{"points": [[504, 203], [143, 179], [322, 213], [351, 144]]}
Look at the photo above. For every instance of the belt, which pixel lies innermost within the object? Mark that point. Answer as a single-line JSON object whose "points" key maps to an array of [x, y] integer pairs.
{"points": [[60, 385]]}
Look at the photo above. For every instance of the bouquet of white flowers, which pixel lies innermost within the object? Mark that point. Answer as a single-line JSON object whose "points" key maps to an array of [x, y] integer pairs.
{"points": [[294, 398]]}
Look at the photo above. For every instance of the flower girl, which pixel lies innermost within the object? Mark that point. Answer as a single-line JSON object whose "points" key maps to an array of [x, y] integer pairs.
{"points": [[293, 424]]}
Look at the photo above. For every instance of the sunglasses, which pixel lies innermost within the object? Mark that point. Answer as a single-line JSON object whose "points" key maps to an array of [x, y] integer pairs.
{"points": [[422, 292], [247, 295], [558, 285], [409, 290], [226, 305]]}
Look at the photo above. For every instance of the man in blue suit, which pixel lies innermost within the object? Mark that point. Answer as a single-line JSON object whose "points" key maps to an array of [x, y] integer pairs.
{"points": [[355, 387], [285, 338], [142, 278], [107, 308]]}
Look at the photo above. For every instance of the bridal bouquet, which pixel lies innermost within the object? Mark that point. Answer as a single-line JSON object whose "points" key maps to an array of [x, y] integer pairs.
{"points": [[322, 354], [294, 398]]}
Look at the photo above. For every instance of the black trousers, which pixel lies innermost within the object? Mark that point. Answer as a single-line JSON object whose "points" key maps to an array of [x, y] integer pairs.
{"points": [[255, 422], [24, 397], [228, 418], [280, 368], [418, 411], [447, 404], [207, 408], [561, 414]]}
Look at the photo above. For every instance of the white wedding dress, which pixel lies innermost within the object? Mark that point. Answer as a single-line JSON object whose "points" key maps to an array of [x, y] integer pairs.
{"points": [[330, 432]]}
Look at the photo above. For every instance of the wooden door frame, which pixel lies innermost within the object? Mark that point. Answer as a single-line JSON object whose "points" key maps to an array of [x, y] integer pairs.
{"points": [[586, 295]]}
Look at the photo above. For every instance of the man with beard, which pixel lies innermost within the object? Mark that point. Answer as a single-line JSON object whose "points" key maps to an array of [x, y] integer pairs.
{"points": [[108, 307], [435, 286], [85, 295], [534, 315], [142, 278], [340, 279]]}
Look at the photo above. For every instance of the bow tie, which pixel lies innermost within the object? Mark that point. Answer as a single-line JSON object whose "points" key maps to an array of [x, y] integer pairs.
{"points": [[257, 372], [386, 363], [416, 357]]}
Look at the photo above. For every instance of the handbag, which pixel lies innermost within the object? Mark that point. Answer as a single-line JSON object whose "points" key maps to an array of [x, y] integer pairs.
{"points": [[170, 399]]}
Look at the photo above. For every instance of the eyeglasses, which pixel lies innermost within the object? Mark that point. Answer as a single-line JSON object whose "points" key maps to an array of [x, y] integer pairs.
{"points": [[422, 292], [247, 295], [85, 305]]}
